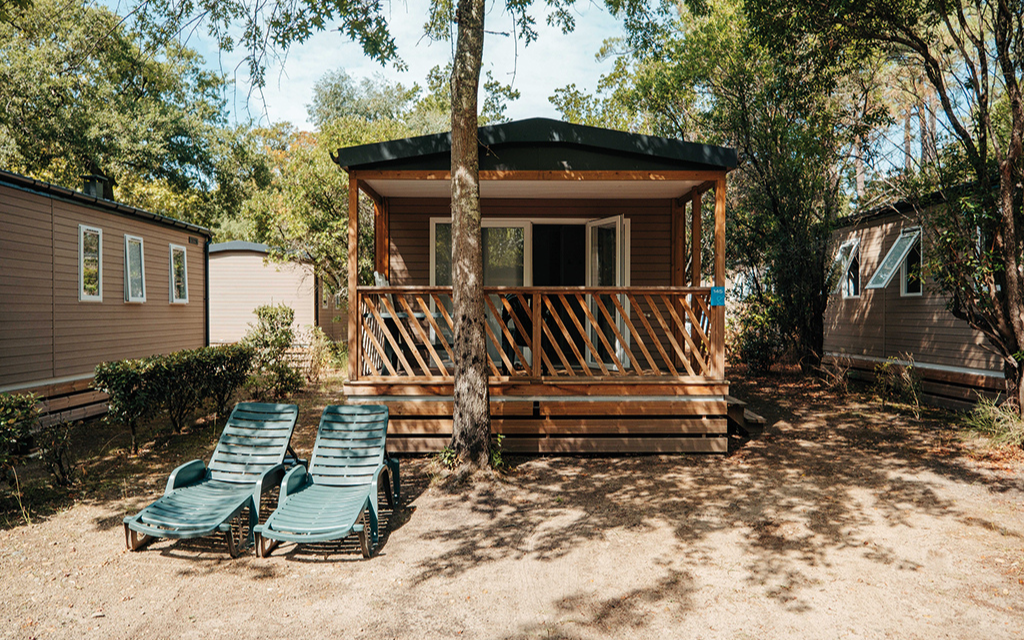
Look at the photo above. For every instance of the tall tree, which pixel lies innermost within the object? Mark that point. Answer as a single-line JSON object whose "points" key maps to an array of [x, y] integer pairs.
{"points": [[972, 55], [278, 24], [709, 77], [83, 92]]}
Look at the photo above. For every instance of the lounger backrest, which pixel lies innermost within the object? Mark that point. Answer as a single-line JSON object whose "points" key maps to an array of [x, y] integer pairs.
{"points": [[349, 444], [254, 439]]}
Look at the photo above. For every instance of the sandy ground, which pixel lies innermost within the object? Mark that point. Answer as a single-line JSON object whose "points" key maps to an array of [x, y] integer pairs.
{"points": [[844, 521]]}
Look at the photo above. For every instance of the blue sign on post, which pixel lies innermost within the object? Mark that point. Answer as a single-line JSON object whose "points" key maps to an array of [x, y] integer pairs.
{"points": [[717, 296]]}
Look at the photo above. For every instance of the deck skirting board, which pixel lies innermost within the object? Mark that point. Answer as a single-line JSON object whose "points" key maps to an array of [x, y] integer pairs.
{"points": [[566, 445]]}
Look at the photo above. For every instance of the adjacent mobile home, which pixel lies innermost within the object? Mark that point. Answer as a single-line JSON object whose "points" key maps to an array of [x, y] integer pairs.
{"points": [[84, 280], [603, 333], [886, 307], [241, 279]]}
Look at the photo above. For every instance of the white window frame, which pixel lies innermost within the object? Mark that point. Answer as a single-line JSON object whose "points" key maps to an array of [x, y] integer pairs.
{"points": [[895, 255], [128, 239], [524, 223], [82, 295], [184, 251], [903, 272], [842, 265]]}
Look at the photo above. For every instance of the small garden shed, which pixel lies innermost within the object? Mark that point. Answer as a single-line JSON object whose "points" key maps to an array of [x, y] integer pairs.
{"points": [[605, 333], [242, 279]]}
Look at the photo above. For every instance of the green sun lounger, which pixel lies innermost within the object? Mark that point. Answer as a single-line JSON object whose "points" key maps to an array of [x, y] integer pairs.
{"points": [[328, 502], [201, 500]]}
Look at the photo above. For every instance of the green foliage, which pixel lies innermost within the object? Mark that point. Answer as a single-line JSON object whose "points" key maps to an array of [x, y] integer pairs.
{"points": [[85, 91], [760, 341], [337, 95], [132, 400], [227, 370], [177, 382], [269, 339], [448, 458], [320, 351], [703, 74], [18, 415], [497, 443], [895, 382], [1000, 423]]}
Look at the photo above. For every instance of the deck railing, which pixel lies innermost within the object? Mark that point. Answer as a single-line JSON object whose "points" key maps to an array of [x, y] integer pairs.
{"points": [[543, 333]]}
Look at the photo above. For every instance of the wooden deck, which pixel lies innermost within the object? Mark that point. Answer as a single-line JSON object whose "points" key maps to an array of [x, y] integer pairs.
{"points": [[573, 369]]}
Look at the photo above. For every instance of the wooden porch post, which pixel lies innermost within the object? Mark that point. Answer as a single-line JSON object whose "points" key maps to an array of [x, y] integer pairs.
{"points": [[718, 342], [354, 356], [678, 277], [695, 248], [382, 239]]}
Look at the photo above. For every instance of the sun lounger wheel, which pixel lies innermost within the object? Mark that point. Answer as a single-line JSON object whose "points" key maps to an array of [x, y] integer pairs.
{"points": [[135, 540]]}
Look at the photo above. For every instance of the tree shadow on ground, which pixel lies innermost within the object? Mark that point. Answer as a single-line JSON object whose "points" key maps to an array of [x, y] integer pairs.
{"points": [[824, 471]]}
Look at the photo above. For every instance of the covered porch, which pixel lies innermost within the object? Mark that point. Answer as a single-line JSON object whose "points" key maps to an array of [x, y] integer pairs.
{"points": [[604, 282]]}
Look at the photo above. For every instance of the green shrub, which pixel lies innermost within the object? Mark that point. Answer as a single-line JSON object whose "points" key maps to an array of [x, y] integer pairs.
{"points": [[18, 415], [760, 342], [132, 400], [895, 382], [177, 382], [270, 338], [227, 370], [320, 350], [55, 445], [1000, 424]]}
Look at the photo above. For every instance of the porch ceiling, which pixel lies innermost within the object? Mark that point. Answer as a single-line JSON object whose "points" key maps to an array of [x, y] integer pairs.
{"points": [[541, 189]]}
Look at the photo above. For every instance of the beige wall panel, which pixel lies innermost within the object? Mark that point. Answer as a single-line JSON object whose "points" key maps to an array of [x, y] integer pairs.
{"points": [[240, 281], [26, 294], [87, 333], [882, 323]]}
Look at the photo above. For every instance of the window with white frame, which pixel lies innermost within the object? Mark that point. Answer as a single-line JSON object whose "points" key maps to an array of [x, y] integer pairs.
{"points": [[910, 272], [90, 264], [134, 270], [847, 265], [894, 260], [179, 274]]}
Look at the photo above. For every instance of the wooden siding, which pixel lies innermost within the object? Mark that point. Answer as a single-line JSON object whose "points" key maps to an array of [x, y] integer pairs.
{"points": [[240, 281], [26, 294], [650, 232], [881, 323], [46, 333]]}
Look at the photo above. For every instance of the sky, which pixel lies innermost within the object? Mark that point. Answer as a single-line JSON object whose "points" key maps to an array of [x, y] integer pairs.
{"points": [[553, 61]]}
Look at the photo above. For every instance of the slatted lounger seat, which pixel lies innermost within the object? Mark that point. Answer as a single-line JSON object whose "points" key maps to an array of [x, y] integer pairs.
{"points": [[201, 500], [329, 501]]}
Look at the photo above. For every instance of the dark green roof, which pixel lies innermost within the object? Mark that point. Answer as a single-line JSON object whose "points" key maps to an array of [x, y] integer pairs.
{"points": [[541, 144]]}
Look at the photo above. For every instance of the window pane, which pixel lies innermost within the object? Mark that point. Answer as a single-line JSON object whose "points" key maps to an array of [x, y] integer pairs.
{"points": [[90, 263], [893, 259], [443, 254], [136, 283], [504, 253], [178, 269], [912, 268]]}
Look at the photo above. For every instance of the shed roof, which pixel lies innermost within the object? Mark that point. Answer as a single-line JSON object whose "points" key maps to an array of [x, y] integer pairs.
{"points": [[25, 183], [543, 145], [239, 245]]}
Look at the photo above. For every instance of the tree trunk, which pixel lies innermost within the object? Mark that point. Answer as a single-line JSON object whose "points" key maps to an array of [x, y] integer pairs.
{"points": [[471, 432], [908, 143]]}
